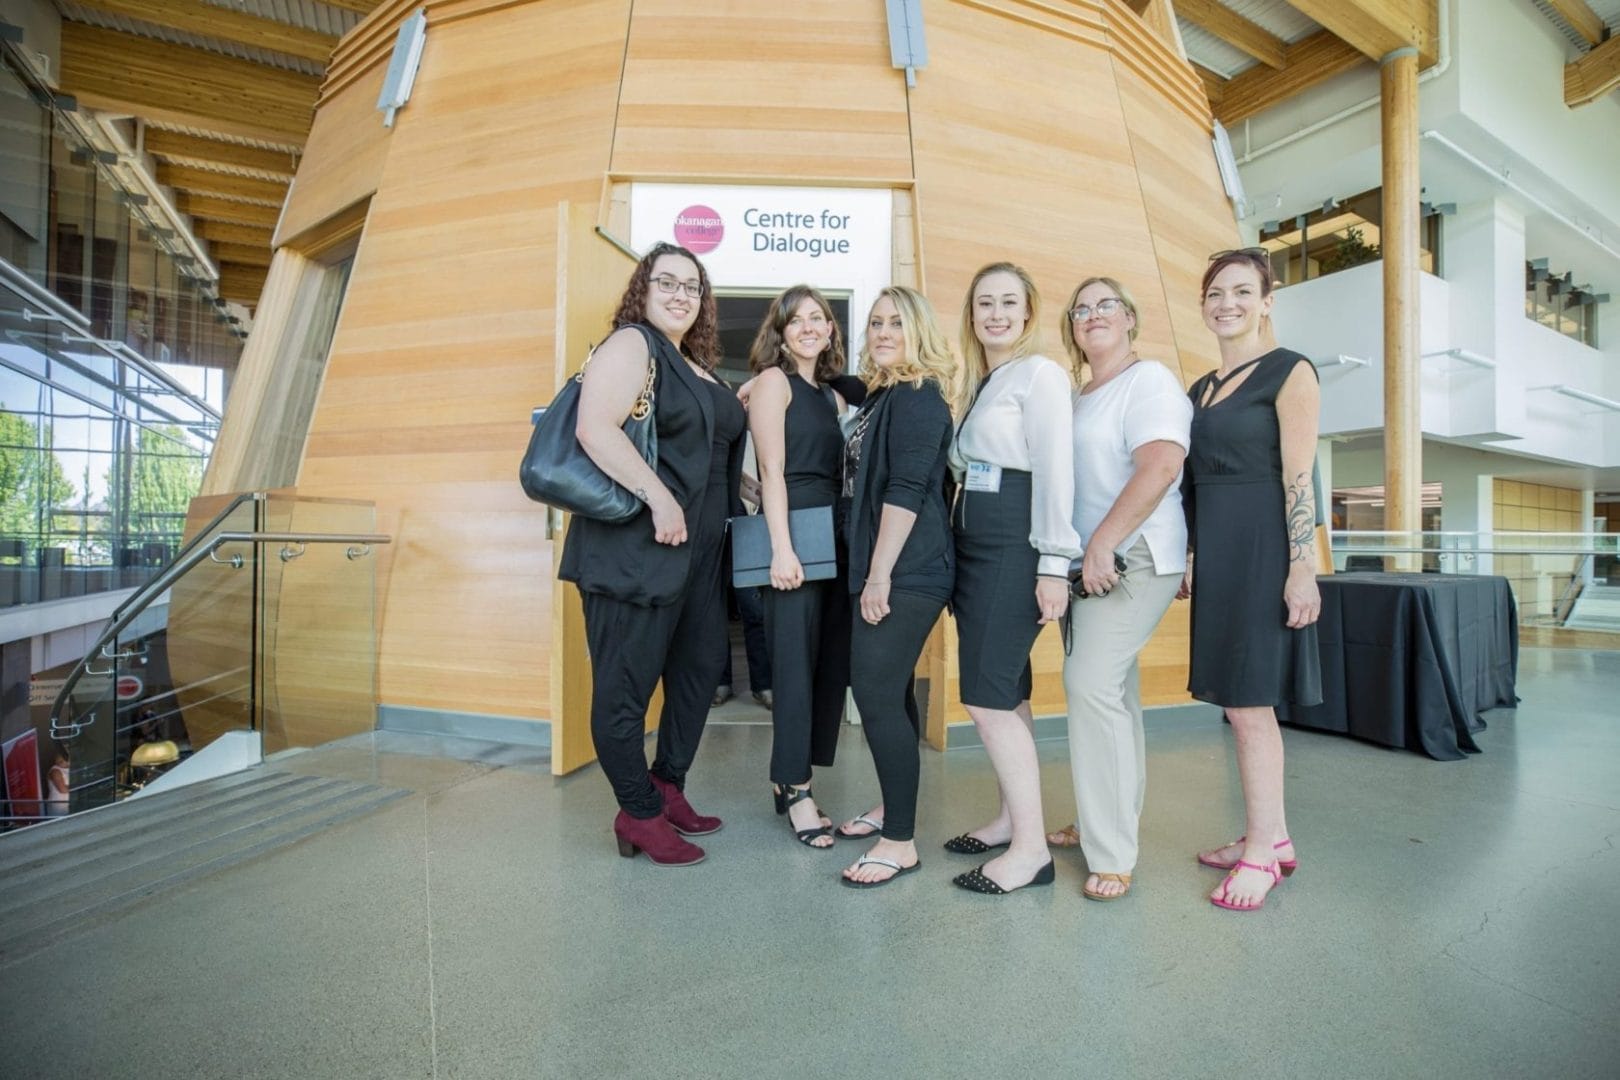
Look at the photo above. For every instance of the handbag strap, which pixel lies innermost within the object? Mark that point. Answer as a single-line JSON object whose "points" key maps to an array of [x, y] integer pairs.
{"points": [[644, 402]]}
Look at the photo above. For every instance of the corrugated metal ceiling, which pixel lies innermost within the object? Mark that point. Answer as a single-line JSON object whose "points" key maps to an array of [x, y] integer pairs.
{"points": [[80, 13], [1274, 16]]}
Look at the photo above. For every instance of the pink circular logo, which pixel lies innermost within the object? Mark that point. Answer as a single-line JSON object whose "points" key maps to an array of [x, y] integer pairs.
{"points": [[699, 229]]}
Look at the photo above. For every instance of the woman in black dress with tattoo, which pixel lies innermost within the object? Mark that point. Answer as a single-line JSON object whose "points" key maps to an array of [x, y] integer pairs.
{"points": [[1251, 506]]}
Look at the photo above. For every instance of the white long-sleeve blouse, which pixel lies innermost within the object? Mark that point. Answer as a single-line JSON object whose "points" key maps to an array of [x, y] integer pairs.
{"points": [[1022, 420]]}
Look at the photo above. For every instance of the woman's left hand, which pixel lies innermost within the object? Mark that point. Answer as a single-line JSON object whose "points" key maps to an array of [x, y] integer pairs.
{"points": [[750, 490], [875, 601], [1052, 597], [746, 391], [1303, 598], [1097, 573]]}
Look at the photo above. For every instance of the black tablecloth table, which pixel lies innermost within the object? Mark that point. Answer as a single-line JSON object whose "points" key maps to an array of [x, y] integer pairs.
{"points": [[1410, 660]]}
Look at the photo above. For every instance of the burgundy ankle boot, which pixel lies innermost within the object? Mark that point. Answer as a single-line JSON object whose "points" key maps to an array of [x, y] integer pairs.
{"points": [[657, 838], [680, 813]]}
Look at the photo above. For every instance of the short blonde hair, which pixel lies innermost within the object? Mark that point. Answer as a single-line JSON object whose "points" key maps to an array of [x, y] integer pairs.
{"points": [[927, 353], [976, 367], [1077, 355]]}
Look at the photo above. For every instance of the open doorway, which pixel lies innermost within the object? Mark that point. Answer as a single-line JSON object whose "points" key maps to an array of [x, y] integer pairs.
{"points": [[742, 310], [744, 693]]}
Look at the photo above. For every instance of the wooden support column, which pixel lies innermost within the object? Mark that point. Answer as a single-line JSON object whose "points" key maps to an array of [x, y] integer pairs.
{"points": [[1403, 429]]}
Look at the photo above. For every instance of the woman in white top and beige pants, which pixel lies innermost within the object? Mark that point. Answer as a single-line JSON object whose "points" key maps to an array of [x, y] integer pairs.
{"points": [[1131, 431], [1015, 539]]}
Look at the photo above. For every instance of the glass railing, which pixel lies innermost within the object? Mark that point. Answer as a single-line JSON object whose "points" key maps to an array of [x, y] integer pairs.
{"points": [[1549, 572], [264, 623]]}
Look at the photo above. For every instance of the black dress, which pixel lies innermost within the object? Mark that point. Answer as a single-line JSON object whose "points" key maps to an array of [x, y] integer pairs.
{"points": [[1243, 653]]}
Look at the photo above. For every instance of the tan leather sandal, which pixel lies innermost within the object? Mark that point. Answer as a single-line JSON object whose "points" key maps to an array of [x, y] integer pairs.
{"points": [[1068, 836], [1123, 879]]}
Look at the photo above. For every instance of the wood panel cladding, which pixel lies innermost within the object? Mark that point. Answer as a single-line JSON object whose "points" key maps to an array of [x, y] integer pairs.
{"points": [[445, 342], [450, 325], [740, 88]]}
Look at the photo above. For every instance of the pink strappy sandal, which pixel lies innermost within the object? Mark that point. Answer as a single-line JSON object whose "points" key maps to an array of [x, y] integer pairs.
{"points": [[1288, 866], [1221, 901]]}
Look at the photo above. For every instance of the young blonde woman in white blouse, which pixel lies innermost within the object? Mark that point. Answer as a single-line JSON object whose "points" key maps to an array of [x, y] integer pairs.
{"points": [[1015, 539], [1131, 431]]}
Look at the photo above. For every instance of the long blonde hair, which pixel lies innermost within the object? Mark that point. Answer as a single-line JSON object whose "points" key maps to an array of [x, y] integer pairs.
{"points": [[975, 366], [1077, 355], [927, 353]]}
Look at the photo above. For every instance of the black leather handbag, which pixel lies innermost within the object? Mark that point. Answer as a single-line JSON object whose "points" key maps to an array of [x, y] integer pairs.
{"points": [[557, 471]]}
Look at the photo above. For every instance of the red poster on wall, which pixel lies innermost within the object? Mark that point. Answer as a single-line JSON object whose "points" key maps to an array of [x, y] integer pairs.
{"points": [[21, 756]]}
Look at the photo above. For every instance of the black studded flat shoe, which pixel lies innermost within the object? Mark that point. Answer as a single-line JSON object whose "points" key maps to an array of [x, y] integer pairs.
{"points": [[970, 845], [975, 881]]}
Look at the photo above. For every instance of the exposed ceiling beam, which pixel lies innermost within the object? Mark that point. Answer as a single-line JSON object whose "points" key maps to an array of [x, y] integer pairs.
{"points": [[1581, 18], [189, 149], [1593, 75], [241, 283], [193, 88], [1309, 61], [224, 24], [1379, 27], [226, 232], [216, 209], [364, 7], [1234, 29], [240, 254], [206, 182], [1214, 86]]}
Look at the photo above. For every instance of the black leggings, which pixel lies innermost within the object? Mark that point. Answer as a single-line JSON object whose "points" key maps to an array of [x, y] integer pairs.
{"points": [[882, 659]]}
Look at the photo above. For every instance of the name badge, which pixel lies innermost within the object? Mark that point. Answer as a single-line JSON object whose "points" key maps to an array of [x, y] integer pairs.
{"points": [[982, 476]]}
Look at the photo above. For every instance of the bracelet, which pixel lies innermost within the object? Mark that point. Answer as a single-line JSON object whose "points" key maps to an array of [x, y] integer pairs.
{"points": [[875, 581]]}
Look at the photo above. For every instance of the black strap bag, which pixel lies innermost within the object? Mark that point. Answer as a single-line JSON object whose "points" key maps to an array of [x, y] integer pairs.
{"points": [[557, 471]]}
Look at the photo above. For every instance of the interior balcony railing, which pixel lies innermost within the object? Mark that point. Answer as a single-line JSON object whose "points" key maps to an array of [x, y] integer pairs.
{"points": [[1559, 579], [260, 632]]}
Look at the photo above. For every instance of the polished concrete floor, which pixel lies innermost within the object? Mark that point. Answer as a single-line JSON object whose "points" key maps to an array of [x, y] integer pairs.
{"points": [[1448, 920]]}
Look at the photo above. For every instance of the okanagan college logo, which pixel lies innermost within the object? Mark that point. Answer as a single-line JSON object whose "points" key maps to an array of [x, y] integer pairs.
{"points": [[699, 229]]}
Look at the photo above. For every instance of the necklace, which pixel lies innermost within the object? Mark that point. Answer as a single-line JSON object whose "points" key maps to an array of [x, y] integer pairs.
{"points": [[1130, 359]]}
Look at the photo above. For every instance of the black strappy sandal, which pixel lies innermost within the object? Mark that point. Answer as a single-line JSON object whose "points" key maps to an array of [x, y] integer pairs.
{"points": [[785, 798]]}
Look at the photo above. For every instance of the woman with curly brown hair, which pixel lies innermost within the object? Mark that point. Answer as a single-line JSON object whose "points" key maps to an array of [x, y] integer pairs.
{"points": [[793, 415], [651, 587]]}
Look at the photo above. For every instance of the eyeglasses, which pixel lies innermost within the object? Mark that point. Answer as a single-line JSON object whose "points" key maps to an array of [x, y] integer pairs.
{"points": [[667, 284], [1250, 252], [1104, 308]]}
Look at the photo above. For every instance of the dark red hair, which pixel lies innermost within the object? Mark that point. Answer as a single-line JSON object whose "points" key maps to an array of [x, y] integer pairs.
{"points": [[702, 341], [1243, 257]]}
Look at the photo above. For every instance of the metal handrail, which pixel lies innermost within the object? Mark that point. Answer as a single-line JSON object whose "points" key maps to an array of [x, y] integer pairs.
{"points": [[201, 537], [157, 586]]}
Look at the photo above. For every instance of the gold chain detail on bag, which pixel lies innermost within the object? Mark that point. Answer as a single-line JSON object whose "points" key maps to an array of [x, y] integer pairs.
{"points": [[644, 404]]}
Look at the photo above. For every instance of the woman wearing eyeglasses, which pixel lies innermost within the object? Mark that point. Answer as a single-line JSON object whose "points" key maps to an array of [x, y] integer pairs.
{"points": [[793, 415], [1252, 511], [1131, 420], [1014, 530], [651, 587]]}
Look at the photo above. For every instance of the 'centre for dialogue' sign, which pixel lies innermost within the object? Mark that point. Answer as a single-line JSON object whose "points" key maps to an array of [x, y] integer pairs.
{"points": [[767, 237]]}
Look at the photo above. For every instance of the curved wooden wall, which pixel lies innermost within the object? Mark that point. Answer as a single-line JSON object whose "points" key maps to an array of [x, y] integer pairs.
{"points": [[1065, 135]]}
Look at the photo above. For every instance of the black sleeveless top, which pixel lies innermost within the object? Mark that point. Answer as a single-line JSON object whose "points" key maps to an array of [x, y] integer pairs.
{"points": [[814, 446], [624, 561]]}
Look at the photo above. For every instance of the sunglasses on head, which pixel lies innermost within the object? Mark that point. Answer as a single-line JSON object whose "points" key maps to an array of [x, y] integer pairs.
{"points": [[1250, 252], [1077, 587]]}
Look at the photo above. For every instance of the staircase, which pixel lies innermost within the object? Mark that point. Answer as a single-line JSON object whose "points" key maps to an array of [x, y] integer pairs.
{"points": [[70, 873], [1597, 608]]}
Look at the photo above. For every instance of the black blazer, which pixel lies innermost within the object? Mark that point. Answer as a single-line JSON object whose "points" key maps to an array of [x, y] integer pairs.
{"points": [[624, 561], [903, 463]]}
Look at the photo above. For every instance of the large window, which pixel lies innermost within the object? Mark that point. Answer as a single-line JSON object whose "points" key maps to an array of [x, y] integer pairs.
{"points": [[1556, 302], [1342, 233]]}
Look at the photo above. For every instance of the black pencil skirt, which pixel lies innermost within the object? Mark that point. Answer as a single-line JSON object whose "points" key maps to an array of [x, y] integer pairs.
{"points": [[997, 619]]}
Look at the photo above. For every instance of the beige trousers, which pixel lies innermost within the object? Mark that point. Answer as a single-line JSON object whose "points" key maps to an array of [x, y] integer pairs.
{"points": [[1102, 684]]}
